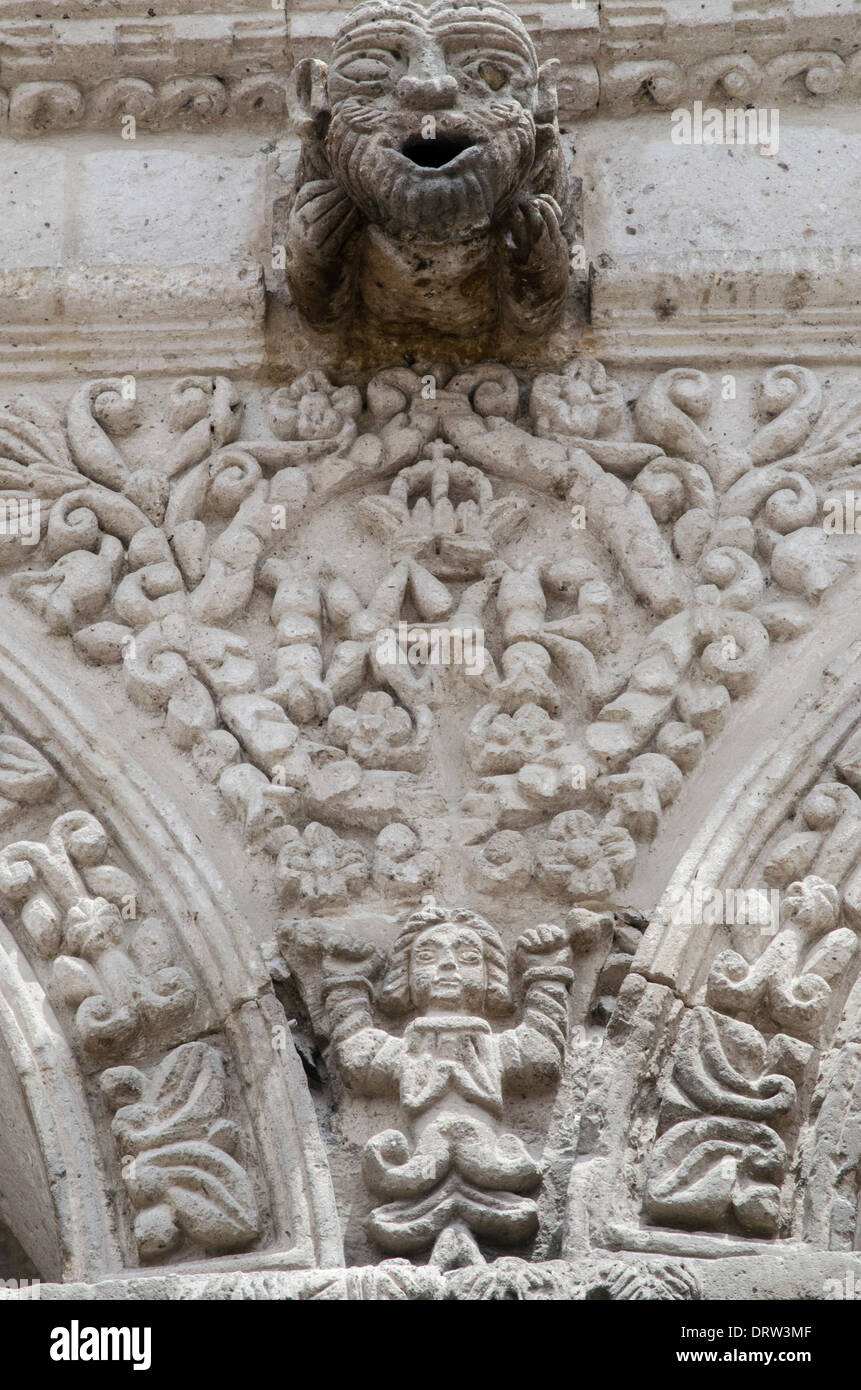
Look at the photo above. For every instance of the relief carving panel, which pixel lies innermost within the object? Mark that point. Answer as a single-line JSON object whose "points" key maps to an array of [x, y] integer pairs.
{"points": [[496, 536], [438, 645]]}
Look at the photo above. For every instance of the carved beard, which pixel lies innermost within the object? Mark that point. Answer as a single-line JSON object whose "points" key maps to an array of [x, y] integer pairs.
{"points": [[452, 202]]}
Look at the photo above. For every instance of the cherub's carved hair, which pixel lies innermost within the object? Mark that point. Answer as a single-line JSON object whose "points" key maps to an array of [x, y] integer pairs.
{"points": [[394, 996]]}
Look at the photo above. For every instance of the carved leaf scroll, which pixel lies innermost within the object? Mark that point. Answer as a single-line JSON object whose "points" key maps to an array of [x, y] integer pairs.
{"points": [[177, 1146]]}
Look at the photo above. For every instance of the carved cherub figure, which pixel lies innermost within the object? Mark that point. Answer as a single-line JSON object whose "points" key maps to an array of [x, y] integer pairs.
{"points": [[431, 194], [455, 1174]]}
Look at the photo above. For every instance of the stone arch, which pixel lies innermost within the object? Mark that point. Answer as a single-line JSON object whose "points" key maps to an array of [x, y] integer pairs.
{"points": [[68, 1194], [764, 783], [52, 1183]]}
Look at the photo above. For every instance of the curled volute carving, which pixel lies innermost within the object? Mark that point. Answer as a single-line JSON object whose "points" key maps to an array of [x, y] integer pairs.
{"points": [[430, 679]]}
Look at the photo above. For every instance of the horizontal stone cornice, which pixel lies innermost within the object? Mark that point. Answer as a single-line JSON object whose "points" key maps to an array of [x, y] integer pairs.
{"points": [[131, 319], [61, 69], [708, 307], [712, 306]]}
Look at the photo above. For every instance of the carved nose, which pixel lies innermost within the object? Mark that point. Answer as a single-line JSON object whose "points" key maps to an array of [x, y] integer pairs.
{"points": [[427, 93]]}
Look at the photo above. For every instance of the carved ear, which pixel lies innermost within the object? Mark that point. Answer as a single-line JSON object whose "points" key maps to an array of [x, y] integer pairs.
{"points": [[546, 103], [308, 98]]}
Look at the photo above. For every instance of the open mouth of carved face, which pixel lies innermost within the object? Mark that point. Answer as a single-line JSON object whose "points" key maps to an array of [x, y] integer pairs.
{"points": [[437, 153]]}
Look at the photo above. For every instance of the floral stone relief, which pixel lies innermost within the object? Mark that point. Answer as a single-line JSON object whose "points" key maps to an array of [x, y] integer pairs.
{"points": [[443, 639], [543, 605]]}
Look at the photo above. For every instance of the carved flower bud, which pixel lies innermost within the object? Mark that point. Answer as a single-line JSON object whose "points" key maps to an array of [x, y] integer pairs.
{"points": [[582, 401], [504, 862], [92, 927], [311, 408], [812, 904]]}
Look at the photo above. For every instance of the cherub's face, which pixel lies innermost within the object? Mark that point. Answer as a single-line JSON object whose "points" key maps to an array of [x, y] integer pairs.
{"points": [[432, 118], [447, 970]]}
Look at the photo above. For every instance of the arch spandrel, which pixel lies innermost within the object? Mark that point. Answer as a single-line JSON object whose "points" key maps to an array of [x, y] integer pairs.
{"points": [[427, 638], [192, 970], [746, 986], [308, 753]]}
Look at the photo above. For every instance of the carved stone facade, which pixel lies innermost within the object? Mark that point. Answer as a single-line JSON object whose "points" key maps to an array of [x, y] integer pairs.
{"points": [[430, 681]]}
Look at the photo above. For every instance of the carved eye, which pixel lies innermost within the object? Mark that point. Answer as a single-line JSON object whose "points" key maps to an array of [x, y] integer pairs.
{"points": [[366, 70], [469, 957], [494, 75]]}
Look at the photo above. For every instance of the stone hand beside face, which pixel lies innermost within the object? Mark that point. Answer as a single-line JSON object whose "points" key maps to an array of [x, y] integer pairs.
{"points": [[534, 235], [350, 956], [324, 216], [339, 952], [543, 940]]}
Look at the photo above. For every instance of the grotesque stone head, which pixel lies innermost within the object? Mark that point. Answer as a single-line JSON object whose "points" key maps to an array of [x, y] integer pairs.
{"points": [[431, 134], [433, 114]]}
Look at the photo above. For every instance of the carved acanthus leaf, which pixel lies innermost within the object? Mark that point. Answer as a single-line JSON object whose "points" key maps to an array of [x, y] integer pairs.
{"points": [[176, 1145]]}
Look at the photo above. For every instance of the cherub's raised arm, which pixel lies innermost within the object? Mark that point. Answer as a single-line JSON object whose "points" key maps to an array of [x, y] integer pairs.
{"points": [[365, 1056], [335, 971], [532, 1053]]}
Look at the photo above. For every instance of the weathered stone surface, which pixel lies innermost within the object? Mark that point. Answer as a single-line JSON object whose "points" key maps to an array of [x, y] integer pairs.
{"points": [[432, 204], [430, 671]]}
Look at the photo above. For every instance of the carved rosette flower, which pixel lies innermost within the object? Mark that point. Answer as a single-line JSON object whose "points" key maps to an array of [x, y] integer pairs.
{"points": [[582, 859], [581, 401], [318, 868], [503, 862], [93, 926], [512, 740], [316, 416], [401, 867], [380, 734]]}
